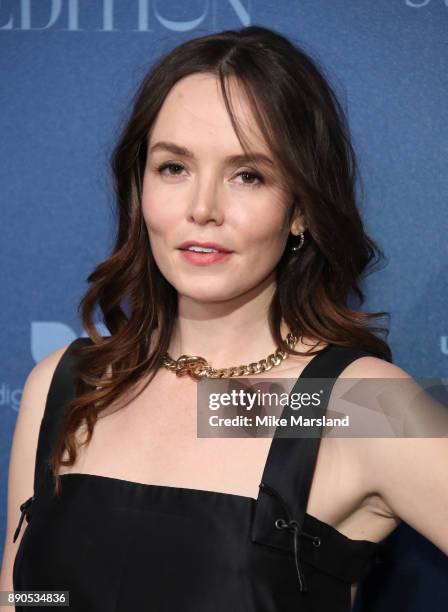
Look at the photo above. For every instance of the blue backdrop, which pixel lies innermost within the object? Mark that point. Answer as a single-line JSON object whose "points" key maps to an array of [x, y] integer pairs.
{"points": [[68, 69]]}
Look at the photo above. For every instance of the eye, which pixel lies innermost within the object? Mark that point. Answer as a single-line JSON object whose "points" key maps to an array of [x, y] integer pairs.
{"points": [[170, 166], [251, 175]]}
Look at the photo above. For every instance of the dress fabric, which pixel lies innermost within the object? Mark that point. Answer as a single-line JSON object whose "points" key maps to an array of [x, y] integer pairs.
{"points": [[119, 546]]}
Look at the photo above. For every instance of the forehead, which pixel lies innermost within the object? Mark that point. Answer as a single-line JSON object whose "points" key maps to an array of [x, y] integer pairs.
{"points": [[194, 114]]}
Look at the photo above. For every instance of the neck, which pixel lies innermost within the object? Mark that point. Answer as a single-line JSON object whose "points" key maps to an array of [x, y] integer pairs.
{"points": [[225, 333]]}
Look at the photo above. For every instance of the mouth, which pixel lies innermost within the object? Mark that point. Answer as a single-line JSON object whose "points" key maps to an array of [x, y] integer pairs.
{"points": [[204, 257], [203, 247]]}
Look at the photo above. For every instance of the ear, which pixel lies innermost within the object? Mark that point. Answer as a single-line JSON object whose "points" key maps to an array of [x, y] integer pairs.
{"points": [[297, 223]]}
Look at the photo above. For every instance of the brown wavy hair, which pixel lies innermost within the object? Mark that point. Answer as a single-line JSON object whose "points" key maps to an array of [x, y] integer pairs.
{"points": [[306, 129]]}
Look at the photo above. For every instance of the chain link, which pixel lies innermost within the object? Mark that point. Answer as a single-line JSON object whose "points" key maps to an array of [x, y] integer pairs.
{"points": [[197, 367]]}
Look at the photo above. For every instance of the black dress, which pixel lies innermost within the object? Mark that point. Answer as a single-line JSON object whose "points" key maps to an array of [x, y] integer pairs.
{"points": [[120, 546]]}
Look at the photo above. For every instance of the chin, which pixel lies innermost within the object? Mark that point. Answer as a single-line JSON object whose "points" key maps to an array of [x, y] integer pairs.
{"points": [[204, 293]]}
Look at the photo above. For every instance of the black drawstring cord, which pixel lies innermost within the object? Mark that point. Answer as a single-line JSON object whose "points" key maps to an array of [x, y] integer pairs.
{"points": [[292, 526], [23, 507]]}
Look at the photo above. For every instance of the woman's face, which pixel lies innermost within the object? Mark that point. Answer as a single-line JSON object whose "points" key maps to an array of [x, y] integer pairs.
{"points": [[193, 191]]}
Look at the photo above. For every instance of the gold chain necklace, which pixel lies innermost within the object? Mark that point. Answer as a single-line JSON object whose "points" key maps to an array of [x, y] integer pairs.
{"points": [[198, 367]]}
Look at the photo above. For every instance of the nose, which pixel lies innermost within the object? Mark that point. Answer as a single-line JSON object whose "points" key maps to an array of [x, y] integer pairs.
{"points": [[206, 202]]}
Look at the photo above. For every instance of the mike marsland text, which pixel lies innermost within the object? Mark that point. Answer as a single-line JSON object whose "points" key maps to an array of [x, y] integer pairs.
{"points": [[273, 421]]}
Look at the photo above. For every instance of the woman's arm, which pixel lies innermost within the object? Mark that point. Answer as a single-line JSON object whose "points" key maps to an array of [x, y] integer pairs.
{"points": [[411, 476], [23, 457], [409, 473]]}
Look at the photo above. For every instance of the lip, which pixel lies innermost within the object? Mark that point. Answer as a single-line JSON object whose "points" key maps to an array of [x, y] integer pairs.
{"points": [[210, 245], [204, 259]]}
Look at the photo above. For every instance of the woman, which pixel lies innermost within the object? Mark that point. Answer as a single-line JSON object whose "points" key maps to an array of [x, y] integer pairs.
{"points": [[238, 238]]}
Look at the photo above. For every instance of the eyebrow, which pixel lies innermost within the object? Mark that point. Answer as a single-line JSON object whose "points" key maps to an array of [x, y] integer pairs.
{"points": [[172, 147]]}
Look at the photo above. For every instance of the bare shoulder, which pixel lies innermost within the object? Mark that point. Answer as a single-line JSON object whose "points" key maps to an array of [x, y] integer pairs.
{"points": [[34, 395], [40, 376], [23, 453], [373, 367]]}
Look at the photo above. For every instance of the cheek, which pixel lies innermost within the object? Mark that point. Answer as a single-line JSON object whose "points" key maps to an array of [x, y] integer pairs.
{"points": [[159, 216], [266, 235], [159, 223]]}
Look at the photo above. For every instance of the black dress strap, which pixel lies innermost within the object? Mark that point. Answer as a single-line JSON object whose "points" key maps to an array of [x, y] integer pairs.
{"points": [[61, 391], [288, 473]]}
